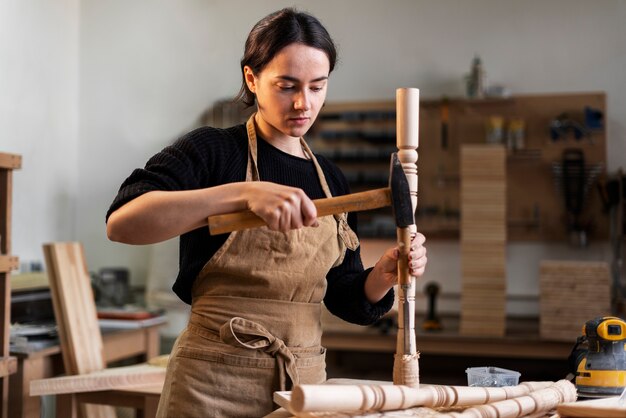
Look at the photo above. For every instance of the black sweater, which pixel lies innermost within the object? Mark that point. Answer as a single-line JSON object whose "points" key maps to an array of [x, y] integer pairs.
{"points": [[209, 157]]}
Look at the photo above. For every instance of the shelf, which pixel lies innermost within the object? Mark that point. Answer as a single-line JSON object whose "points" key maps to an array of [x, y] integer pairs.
{"points": [[8, 263]]}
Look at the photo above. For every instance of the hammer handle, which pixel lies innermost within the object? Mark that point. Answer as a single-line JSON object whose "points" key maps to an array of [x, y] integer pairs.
{"points": [[404, 248], [354, 202]]}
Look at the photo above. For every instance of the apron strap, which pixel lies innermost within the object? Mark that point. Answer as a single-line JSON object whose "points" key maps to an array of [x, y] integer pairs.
{"points": [[348, 237], [252, 171], [240, 332]]}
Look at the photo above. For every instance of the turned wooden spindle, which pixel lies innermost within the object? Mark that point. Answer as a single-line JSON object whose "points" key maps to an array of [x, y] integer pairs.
{"points": [[536, 403], [406, 366], [354, 398]]}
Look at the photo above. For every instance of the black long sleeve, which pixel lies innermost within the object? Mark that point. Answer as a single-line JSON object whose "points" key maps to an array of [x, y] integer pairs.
{"points": [[207, 157]]}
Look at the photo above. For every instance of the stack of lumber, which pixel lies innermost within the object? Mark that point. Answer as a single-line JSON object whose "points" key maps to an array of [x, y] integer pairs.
{"points": [[572, 293], [483, 240]]}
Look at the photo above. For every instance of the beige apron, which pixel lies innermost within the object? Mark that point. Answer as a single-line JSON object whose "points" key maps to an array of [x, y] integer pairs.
{"points": [[255, 317]]}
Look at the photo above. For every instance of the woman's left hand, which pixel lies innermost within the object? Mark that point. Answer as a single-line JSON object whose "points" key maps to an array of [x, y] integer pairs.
{"points": [[385, 273]]}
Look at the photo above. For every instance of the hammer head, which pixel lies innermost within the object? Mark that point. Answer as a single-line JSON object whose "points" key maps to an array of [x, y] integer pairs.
{"points": [[400, 194]]}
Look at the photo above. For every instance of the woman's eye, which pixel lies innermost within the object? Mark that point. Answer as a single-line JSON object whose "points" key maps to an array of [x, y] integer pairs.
{"points": [[285, 87], [317, 88]]}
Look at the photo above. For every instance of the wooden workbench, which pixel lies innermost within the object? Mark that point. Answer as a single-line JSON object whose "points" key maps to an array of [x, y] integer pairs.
{"points": [[367, 353], [521, 341], [139, 344]]}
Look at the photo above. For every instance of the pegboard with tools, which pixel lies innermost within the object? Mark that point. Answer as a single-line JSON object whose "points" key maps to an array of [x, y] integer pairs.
{"points": [[555, 155]]}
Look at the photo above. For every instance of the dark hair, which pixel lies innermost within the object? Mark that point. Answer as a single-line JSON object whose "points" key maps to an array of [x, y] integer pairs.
{"points": [[276, 31]]}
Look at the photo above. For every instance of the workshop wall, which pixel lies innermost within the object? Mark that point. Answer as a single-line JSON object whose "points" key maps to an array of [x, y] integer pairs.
{"points": [[39, 82], [104, 85]]}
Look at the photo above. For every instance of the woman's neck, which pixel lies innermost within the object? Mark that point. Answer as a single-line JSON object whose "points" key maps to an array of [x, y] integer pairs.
{"points": [[288, 144]]}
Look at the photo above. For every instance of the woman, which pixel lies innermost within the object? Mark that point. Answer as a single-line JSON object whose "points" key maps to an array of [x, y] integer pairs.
{"points": [[256, 294]]}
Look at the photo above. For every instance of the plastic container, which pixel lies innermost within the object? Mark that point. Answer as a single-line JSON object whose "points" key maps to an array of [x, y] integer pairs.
{"points": [[491, 377]]}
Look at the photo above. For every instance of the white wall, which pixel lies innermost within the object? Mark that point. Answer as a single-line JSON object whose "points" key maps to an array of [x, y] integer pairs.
{"points": [[39, 118], [149, 68]]}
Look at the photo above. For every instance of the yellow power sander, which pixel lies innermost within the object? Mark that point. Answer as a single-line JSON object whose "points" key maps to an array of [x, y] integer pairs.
{"points": [[601, 367]]}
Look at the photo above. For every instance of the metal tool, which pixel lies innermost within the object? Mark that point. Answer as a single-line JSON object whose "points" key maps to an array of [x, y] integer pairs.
{"points": [[431, 322], [396, 195]]}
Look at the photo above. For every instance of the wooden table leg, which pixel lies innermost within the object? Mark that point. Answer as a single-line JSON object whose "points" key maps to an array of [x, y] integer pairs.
{"points": [[153, 342], [21, 404], [66, 406], [150, 407]]}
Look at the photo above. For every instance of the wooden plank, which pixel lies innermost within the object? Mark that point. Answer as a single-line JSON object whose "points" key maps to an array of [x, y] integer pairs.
{"points": [[10, 161], [8, 263], [75, 311], [136, 398], [606, 408], [75, 308], [128, 377]]}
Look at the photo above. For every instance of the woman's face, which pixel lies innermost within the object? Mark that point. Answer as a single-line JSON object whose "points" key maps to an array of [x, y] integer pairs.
{"points": [[290, 91]]}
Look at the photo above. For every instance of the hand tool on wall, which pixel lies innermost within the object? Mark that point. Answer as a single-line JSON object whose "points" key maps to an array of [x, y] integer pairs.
{"points": [[431, 322], [445, 114], [397, 193], [563, 124], [574, 180], [406, 366]]}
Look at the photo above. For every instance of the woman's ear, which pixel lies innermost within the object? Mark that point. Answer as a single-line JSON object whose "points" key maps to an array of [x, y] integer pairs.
{"points": [[250, 78]]}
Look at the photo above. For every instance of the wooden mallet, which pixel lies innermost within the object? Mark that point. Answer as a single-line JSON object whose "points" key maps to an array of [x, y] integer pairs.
{"points": [[396, 195]]}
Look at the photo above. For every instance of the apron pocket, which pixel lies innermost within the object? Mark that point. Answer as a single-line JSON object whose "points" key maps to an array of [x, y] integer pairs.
{"points": [[312, 369], [212, 384]]}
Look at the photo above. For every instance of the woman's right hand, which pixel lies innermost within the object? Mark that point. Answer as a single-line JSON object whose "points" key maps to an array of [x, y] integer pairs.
{"points": [[160, 215], [281, 207]]}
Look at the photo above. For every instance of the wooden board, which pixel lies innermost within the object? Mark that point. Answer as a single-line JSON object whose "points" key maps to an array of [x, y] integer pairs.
{"points": [[140, 375], [606, 408], [10, 161], [75, 313], [571, 293], [74, 307]]}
